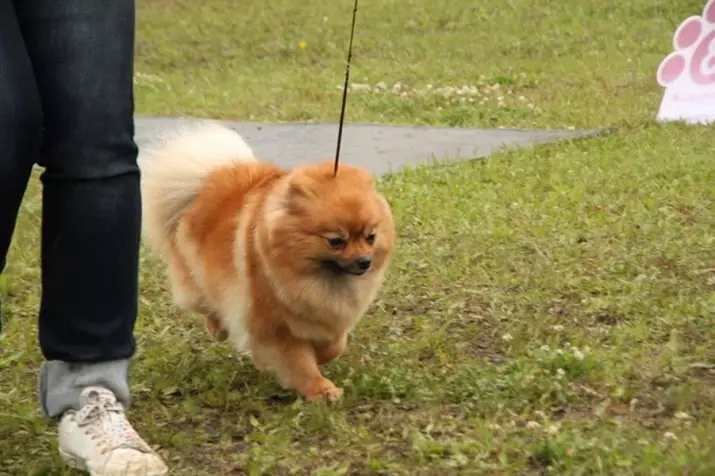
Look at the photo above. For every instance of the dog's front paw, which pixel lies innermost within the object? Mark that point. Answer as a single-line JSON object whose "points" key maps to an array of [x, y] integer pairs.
{"points": [[325, 390]]}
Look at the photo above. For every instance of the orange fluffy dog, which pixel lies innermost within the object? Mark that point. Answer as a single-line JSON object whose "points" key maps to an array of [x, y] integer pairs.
{"points": [[283, 264]]}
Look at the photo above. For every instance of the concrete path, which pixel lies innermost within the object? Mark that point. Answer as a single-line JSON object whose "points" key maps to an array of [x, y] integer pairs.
{"points": [[379, 148]]}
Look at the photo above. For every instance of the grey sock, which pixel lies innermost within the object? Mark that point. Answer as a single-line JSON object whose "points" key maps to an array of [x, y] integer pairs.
{"points": [[62, 382]]}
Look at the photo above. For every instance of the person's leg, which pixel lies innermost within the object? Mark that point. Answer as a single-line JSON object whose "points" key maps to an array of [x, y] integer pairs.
{"points": [[20, 126], [82, 56]]}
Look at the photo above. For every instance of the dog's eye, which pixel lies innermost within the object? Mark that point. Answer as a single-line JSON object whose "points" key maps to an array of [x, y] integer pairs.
{"points": [[370, 238], [337, 243]]}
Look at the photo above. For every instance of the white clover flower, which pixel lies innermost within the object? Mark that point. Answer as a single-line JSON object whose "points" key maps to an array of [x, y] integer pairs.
{"points": [[552, 429]]}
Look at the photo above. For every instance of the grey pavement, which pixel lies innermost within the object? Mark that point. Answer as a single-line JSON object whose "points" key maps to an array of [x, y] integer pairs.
{"points": [[379, 148]]}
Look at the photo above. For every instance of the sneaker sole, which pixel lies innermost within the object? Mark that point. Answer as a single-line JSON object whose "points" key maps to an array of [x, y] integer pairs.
{"points": [[75, 462]]}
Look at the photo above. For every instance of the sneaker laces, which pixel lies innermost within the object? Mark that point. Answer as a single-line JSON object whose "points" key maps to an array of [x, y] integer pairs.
{"points": [[102, 419]]}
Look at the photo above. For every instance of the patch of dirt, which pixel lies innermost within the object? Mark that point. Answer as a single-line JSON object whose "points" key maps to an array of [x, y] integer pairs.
{"points": [[607, 318], [484, 351]]}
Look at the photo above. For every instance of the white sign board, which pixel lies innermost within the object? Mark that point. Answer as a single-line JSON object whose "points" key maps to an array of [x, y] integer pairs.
{"points": [[688, 73]]}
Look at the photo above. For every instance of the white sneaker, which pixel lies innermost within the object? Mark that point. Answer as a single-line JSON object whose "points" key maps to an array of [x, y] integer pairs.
{"points": [[99, 439]]}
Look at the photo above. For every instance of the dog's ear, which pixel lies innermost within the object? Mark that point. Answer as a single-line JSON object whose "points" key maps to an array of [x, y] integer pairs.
{"points": [[301, 186], [297, 191]]}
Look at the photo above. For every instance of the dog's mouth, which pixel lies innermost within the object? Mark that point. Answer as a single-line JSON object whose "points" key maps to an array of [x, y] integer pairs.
{"points": [[337, 268]]}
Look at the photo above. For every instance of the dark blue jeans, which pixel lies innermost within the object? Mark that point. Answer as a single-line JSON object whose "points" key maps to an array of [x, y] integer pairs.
{"points": [[66, 104]]}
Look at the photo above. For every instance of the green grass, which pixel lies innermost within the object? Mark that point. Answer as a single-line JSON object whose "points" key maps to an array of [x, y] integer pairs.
{"points": [[549, 309]]}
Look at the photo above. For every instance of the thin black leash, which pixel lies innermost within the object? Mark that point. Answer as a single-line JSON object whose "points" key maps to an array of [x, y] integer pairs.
{"points": [[345, 92]]}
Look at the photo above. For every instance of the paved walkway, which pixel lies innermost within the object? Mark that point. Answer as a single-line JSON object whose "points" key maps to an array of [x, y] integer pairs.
{"points": [[380, 148]]}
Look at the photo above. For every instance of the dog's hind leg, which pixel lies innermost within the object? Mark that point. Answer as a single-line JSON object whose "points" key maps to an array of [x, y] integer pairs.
{"points": [[215, 327], [185, 293], [188, 297]]}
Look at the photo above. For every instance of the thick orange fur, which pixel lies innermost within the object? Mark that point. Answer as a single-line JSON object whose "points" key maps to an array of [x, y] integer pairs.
{"points": [[247, 245]]}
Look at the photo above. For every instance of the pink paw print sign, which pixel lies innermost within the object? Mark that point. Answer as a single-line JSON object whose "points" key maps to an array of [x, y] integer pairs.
{"points": [[688, 73]]}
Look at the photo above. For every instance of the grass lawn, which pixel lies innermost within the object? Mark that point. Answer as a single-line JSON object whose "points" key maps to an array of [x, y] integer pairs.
{"points": [[550, 310]]}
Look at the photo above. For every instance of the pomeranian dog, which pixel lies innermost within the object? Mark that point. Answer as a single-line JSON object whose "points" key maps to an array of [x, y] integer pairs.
{"points": [[282, 264]]}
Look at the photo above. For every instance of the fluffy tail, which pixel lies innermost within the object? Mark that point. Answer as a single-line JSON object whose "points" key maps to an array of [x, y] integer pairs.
{"points": [[174, 173]]}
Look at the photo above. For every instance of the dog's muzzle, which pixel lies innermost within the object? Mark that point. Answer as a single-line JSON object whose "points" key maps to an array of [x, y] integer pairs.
{"points": [[357, 267]]}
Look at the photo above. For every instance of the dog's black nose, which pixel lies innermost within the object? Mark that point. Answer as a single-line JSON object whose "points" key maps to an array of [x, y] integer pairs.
{"points": [[363, 263]]}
